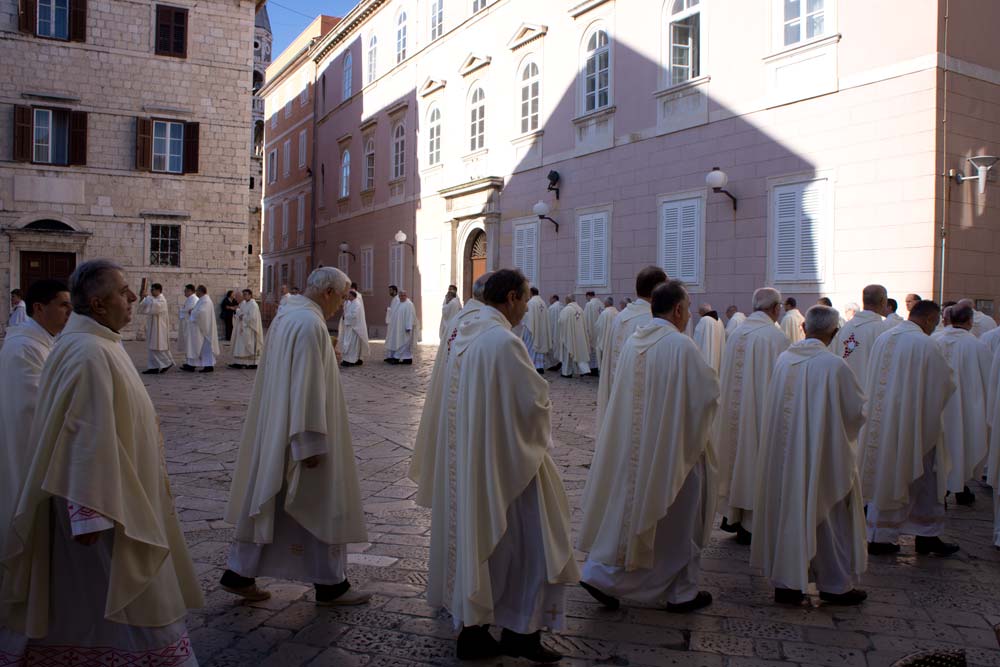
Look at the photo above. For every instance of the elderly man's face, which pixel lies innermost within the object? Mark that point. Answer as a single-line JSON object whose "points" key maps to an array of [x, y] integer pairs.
{"points": [[114, 310], [911, 301]]}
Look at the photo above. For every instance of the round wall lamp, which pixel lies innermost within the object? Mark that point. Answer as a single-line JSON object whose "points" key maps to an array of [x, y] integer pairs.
{"points": [[541, 209], [718, 180]]}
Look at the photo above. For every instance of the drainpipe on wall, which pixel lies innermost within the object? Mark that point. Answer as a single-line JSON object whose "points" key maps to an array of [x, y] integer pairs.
{"points": [[944, 162]]}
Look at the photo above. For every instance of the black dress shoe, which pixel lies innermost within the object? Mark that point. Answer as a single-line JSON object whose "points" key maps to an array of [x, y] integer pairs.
{"points": [[851, 598], [251, 367], [240, 366], [207, 369], [788, 596], [934, 545], [391, 360], [556, 367], [407, 362], [187, 368], [164, 370], [608, 601], [541, 371], [346, 364], [475, 643], [882, 548], [743, 536], [702, 599], [596, 373], [727, 527], [359, 362], [965, 497], [530, 646], [151, 371]]}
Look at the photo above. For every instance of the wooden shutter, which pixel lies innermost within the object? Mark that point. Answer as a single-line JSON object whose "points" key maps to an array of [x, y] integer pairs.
{"points": [[584, 271], [78, 20], [27, 17], [191, 131], [144, 144], [22, 134], [180, 17], [77, 137], [164, 16], [599, 250], [786, 219]]}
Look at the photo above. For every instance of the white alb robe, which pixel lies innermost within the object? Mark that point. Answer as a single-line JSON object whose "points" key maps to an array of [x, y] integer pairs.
{"points": [[993, 466], [390, 310], [499, 506], [98, 467], [965, 428], [157, 331], [982, 323], [535, 331], [18, 315], [448, 311], [292, 521], [992, 340], [203, 334], [591, 312], [854, 341], [184, 315], [747, 364], [808, 471], [710, 337], [905, 466], [354, 332], [653, 471], [399, 337], [554, 310], [573, 347], [248, 334], [602, 332], [636, 314], [735, 321], [791, 325], [892, 319]]}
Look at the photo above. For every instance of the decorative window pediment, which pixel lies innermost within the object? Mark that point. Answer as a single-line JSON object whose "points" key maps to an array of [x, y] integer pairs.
{"points": [[473, 62], [528, 32], [431, 85]]}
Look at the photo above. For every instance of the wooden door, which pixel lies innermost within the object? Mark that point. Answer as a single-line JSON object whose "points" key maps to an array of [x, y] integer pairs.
{"points": [[475, 262], [37, 266]]}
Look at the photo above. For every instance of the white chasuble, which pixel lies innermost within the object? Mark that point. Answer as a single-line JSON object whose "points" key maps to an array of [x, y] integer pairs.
{"points": [[492, 450], [635, 315], [657, 429], [184, 315], [391, 310], [892, 319], [536, 320], [808, 465], [297, 391], [855, 340], [399, 337], [982, 324], [591, 312], [747, 364], [448, 312], [791, 325], [993, 466], [710, 337], [18, 315], [248, 334], [99, 446], [965, 427], [157, 326], [734, 322], [602, 332], [203, 331], [573, 347], [992, 340], [354, 332], [553, 312]]}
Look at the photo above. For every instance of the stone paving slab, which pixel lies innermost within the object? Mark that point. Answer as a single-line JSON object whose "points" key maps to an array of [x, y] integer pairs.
{"points": [[914, 602]]}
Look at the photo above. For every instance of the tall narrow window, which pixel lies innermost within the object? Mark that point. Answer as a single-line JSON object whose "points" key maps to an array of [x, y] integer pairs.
{"points": [[803, 20], [798, 230], [685, 41], [477, 120], [682, 225], [434, 135], [272, 166], [367, 264], [526, 250], [300, 220], [396, 265], [171, 31], [345, 174], [53, 18], [348, 63], [401, 38], [592, 262], [303, 148], [284, 224], [597, 72], [370, 164], [271, 222], [322, 186], [286, 157], [399, 151], [529, 98], [322, 99], [437, 18], [372, 51], [168, 147]]}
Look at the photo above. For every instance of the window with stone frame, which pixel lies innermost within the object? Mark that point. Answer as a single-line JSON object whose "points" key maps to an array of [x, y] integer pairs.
{"points": [[399, 151], [401, 38], [477, 120], [53, 19], [167, 146], [164, 245], [348, 76], [597, 72], [437, 19], [530, 83], [49, 135], [372, 52], [684, 50], [171, 31], [369, 164], [434, 136]]}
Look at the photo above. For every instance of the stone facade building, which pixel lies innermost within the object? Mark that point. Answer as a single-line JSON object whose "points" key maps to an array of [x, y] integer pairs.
{"points": [[124, 132], [262, 40]]}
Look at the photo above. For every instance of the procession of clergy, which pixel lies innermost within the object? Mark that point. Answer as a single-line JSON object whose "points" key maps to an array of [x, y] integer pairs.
{"points": [[821, 441]]}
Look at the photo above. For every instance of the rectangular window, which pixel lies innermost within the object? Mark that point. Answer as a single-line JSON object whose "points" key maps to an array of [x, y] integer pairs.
{"points": [[168, 146], [271, 222], [274, 120], [171, 31], [284, 274], [269, 279], [367, 268], [53, 19], [272, 166], [526, 250], [685, 48], [303, 139], [682, 224], [288, 109], [165, 245], [592, 266], [300, 273], [437, 18], [396, 265], [284, 224], [802, 20], [286, 157], [301, 221], [344, 262], [477, 5], [52, 136], [798, 219], [304, 93]]}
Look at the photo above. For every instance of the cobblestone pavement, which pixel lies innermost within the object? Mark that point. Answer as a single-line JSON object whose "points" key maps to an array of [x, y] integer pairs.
{"points": [[914, 602]]}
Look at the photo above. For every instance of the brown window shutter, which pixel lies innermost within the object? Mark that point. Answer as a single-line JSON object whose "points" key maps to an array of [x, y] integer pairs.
{"points": [[163, 19], [78, 20], [143, 144], [191, 131], [78, 137], [27, 15], [22, 134], [180, 48]]}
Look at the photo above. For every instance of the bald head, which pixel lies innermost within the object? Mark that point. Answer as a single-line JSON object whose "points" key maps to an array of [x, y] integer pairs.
{"points": [[875, 298]]}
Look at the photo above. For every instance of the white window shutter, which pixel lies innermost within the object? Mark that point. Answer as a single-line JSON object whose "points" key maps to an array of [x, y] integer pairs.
{"points": [[531, 252], [519, 234], [670, 238], [396, 266], [786, 222], [584, 271], [599, 250], [810, 258], [688, 243]]}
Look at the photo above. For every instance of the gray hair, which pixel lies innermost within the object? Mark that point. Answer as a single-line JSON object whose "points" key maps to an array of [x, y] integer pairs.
{"points": [[821, 320], [91, 280], [766, 298], [327, 277], [479, 287], [961, 313], [874, 296]]}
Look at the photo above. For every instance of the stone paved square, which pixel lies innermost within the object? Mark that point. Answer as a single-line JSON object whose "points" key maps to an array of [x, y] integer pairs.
{"points": [[914, 602]]}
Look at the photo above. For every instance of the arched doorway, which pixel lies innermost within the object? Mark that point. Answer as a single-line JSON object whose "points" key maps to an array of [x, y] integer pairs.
{"points": [[475, 261]]}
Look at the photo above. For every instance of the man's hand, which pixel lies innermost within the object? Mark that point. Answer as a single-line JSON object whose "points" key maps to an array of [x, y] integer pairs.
{"points": [[312, 461], [88, 539]]}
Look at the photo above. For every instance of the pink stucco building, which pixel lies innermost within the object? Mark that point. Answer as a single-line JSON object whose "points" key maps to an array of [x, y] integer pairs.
{"points": [[837, 124]]}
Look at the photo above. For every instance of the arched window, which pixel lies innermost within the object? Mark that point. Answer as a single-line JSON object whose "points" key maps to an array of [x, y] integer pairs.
{"points": [[401, 38], [597, 72], [398, 151], [434, 137], [437, 18], [370, 164], [477, 120], [345, 174], [348, 62], [530, 83], [683, 59], [372, 48]]}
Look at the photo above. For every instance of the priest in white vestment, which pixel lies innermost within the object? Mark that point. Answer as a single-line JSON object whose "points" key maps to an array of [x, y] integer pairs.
{"points": [[710, 336], [154, 307], [591, 312], [535, 331], [734, 318], [981, 322], [400, 334], [393, 303], [555, 307], [202, 334], [353, 331], [602, 328], [248, 335], [856, 338], [95, 563], [905, 465], [993, 459], [992, 340], [892, 318], [449, 309], [809, 522], [500, 543], [184, 318], [791, 323], [965, 426], [632, 316], [573, 346], [18, 311], [751, 352], [22, 356], [649, 502], [295, 497]]}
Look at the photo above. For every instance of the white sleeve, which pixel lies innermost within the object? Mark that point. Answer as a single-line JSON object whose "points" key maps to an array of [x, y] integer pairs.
{"points": [[84, 520], [308, 443]]}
